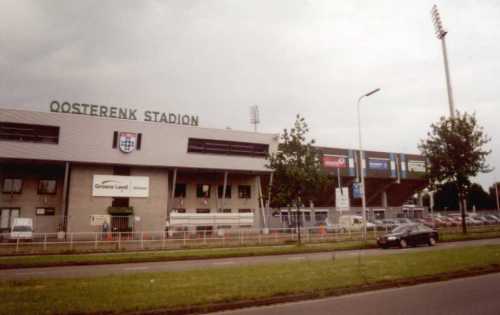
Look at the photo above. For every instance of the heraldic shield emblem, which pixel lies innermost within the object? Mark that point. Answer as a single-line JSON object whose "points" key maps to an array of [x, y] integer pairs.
{"points": [[127, 141]]}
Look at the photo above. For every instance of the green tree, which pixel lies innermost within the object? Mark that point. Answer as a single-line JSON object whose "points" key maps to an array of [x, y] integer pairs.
{"points": [[298, 172], [455, 150]]}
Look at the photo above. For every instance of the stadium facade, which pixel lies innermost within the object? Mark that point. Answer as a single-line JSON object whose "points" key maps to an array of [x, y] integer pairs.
{"points": [[79, 168]]}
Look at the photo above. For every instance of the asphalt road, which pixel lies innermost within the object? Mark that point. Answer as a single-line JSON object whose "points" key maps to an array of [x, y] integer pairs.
{"points": [[123, 269], [476, 295]]}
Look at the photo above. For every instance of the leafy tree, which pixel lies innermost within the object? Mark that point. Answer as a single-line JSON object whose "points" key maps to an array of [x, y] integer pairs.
{"points": [[479, 198], [455, 151], [298, 172]]}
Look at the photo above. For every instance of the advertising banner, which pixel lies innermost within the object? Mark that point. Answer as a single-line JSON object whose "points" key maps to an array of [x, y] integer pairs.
{"points": [[120, 186], [334, 161], [416, 166], [99, 219], [378, 164], [356, 190], [342, 199]]}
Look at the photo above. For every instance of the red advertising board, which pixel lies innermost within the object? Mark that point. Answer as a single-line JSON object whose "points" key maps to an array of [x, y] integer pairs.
{"points": [[334, 161]]}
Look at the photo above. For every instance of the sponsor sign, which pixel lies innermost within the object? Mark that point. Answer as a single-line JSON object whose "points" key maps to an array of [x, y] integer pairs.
{"points": [[342, 199], [357, 191], [99, 219], [416, 166], [127, 141], [378, 164], [120, 186], [334, 161]]}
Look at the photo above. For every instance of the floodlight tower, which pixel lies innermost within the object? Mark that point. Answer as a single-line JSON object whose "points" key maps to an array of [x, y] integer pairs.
{"points": [[254, 116], [441, 34]]}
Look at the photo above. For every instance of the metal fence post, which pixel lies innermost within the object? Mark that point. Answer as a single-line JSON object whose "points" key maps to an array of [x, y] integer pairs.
{"points": [[45, 241], [260, 237], [95, 242], [204, 237], [119, 240], [184, 239], [163, 240], [17, 245], [142, 240], [71, 241]]}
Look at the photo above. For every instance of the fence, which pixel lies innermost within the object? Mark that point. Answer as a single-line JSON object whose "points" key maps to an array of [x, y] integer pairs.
{"points": [[160, 240]]}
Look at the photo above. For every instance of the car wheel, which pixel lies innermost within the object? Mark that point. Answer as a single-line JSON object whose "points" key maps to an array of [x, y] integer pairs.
{"points": [[432, 241], [403, 243]]}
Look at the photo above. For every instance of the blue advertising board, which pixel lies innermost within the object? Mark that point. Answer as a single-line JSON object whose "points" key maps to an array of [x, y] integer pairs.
{"points": [[378, 164], [357, 192]]}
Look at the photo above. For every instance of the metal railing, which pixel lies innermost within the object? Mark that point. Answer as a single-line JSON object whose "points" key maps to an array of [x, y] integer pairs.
{"points": [[162, 240]]}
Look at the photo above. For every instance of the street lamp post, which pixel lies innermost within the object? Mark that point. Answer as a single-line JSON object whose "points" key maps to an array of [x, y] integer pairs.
{"points": [[361, 159], [441, 33]]}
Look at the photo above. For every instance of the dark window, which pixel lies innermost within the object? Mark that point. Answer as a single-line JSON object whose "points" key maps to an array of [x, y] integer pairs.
{"points": [[307, 216], [7, 215], [203, 191], [29, 133], [121, 170], [179, 210], [221, 190], [202, 210], [320, 216], [120, 202], [226, 211], [227, 147], [45, 211], [47, 186], [244, 192], [180, 191], [12, 185], [244, 210]]}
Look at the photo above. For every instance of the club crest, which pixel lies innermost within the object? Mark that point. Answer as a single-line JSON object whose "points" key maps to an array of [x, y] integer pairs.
{"points": [[127, 142]]}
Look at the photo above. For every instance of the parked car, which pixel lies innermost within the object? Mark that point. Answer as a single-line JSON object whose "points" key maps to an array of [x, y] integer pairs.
{"points": [[21, 229], [353, 223], [409, 235]]}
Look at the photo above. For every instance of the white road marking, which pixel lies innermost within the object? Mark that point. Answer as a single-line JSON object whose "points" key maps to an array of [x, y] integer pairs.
{"points": [[222, 263], [296, 258], [136, 268]]}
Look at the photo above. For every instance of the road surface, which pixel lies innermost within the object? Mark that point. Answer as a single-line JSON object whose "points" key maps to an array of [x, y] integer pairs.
{"points": [[475, 295], [121, 269]]}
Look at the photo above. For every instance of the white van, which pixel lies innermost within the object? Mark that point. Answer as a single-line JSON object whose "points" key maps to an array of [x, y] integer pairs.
{"points": [[353, 223], [21, 229]]}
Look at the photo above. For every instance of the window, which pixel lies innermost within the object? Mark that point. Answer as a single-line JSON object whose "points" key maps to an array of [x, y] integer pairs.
{"points": [[226, 210], [320, 216], [179, 210], [211, 146], [244, 210], [45, 211], [228, 191], [7, 215], [203, 191], [29, 133], [12, 185], [244, 191], [47, 187], [121, 170], [180, 191], [202, 210]]}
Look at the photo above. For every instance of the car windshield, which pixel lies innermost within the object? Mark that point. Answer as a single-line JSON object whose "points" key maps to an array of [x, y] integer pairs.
{"points": [[401, 229], [21, 228]]}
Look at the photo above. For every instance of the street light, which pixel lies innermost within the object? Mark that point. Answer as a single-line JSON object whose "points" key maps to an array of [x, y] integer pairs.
{"points": [[361, 159], [440, 34]]}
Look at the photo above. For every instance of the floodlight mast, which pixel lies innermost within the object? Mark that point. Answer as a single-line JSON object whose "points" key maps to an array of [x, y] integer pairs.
{"points": [[254, 116], [441, 34]]}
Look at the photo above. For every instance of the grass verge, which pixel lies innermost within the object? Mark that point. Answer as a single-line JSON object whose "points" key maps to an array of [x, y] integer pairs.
{"points": [[199, 290], [173, 255], [10, 262]]}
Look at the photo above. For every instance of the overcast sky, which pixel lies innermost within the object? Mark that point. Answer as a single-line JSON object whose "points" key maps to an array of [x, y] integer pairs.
{"points": [[217, 58]]}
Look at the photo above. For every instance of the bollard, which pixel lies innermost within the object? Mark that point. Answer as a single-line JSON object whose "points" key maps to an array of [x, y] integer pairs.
{"points": [[142, 240], [163, 240]]}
